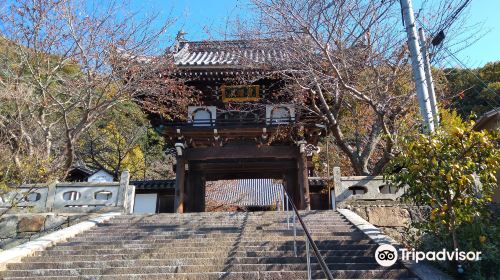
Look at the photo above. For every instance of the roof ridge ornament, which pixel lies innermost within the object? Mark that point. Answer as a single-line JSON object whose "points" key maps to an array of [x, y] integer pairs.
{"points": [[180, 36], [179, 40]]}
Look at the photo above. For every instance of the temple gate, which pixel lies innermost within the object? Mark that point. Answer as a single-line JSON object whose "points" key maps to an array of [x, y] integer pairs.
{"points": [[242, 129]]}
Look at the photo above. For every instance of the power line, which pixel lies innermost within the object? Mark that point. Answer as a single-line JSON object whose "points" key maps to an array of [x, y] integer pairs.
{"points": [[454, 16], [473, 74]]}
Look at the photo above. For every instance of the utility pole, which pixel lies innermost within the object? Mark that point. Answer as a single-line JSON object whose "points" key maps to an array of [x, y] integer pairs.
{"points": [[417, 65], [428, 77]]}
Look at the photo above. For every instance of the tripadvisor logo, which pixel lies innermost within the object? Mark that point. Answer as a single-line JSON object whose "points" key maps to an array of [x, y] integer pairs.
{"points": [[387, 255]]}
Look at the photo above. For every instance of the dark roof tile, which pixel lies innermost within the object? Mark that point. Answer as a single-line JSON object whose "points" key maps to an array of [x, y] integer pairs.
{"points": [[153, 184], [237, 53]]}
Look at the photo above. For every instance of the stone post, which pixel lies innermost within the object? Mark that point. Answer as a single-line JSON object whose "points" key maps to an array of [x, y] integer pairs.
{"points": [[337, 186], [130, 201], [123, 198], [51, 193]]}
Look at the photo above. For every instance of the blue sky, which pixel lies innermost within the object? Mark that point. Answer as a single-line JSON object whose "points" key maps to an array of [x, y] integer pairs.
{"points": [[197, 16], [487, 49]]}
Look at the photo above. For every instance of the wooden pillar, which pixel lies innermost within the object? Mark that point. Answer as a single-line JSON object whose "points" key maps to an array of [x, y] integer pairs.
{"points": [[197, 192], [303, 180], [189, 192], [180, 173], [292, 187], [200, 193], [203, 194]]}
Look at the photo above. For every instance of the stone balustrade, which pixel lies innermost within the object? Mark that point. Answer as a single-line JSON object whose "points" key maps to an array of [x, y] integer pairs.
{"points": [[356, 188], [80, 197]]}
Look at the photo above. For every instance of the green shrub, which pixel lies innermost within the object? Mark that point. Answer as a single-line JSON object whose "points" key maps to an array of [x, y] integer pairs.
{"points": [[443, 171]]}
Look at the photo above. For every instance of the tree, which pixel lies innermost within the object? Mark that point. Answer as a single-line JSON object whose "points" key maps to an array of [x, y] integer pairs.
{"points": [[347, 61], [64, 65], [452, 171], [123, 139], [475, 91]]}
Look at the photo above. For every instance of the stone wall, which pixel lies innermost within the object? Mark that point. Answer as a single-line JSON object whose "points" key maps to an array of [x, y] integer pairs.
{"points": [[392, 217], [378, 202], [16, 229]]}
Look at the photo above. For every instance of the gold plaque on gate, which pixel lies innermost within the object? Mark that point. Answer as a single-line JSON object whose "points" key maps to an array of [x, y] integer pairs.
{"points": [[240, 93]]}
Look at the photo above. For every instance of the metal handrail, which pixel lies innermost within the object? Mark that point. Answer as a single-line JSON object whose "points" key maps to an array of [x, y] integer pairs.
{"points": [[309, 241]]}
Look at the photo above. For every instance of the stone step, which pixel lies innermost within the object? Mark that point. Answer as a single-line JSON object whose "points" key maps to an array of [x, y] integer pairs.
{"points": [[247, 232], [206, 243], [233, 215], [216, 228], [211, 241], [200, 246], [222, 245], [256, 245], [209, 265], [231, 221], [194, 224], [277, 231], [256, 235], [198, 276], [274, 219], [232, 236], [275, 216], [214, 259], [257, 229], [152, 254], [143, 253], [147, 229], [249, 249], [150, 272], [215, 243], [216, 220]]}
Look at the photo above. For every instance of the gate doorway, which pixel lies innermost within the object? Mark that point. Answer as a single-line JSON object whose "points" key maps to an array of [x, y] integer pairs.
{"points": [[244, 195]]}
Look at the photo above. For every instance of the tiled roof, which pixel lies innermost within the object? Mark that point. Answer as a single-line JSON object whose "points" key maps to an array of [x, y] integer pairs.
{"points": [[238, 53], [81, 166], [153, 184], [249, 192], [316, 181], [491, 117]]}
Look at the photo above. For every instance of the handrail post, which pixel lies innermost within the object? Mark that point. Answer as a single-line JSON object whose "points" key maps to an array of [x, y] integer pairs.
{"points": [[308, 256], [310, 242], [283, 201], [287, 213], [294, 237]]}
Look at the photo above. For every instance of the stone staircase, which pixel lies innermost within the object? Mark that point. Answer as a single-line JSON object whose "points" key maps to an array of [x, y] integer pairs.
{"points": [[218, 245]]}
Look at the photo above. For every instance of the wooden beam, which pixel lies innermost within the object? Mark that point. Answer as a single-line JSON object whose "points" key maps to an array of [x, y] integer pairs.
{"points": [[245, 166], [249, 175], [241, 152]]}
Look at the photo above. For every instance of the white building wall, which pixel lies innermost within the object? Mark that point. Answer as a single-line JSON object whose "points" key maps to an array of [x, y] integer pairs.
{"points": [[100, 176], [145, 203]]}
